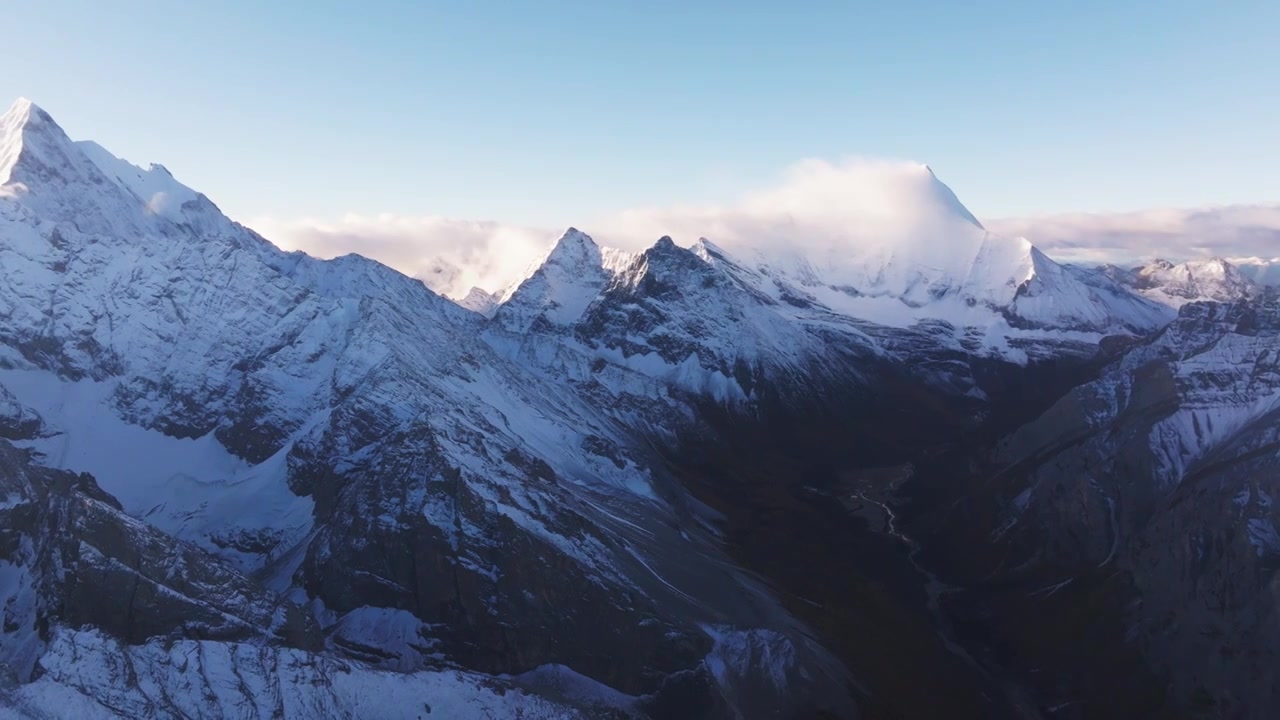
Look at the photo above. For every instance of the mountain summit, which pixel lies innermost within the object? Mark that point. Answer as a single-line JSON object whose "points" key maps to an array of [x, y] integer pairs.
{"points": [[14, 124], [1208, 279], [267, 460], [33, 147], [84, 184]]}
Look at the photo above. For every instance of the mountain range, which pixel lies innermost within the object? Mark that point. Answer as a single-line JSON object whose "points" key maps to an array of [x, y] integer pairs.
{"points": [[935, 475]]}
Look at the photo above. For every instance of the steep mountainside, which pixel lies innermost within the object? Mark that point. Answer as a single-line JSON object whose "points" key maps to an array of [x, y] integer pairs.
{"points": [[708, 322], [809, 393], [1087, 500], [112, 618], [339, 435], [915, 253], [927, 266], [1144, 499]]}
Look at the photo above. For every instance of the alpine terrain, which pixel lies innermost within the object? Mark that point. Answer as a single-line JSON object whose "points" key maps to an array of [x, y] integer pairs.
{"points": [[920, 471]]}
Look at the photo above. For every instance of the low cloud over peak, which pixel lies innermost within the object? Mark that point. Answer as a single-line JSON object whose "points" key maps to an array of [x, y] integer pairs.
{"points": [[451, 256], [847, 207]]}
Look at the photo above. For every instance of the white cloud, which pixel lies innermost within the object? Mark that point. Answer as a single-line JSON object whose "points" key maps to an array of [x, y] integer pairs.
{"points": [[841, 208], [832, 213], [451, 256], [1244, 233], [846, 208]]}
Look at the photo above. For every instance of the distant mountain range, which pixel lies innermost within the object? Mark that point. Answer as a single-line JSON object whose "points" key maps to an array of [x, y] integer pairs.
{"points": [[681, 482]]}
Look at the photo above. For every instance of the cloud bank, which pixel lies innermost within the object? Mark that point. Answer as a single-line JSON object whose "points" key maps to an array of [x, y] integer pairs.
{"points": [[451, 256], [1243, 233], [851, 207]]}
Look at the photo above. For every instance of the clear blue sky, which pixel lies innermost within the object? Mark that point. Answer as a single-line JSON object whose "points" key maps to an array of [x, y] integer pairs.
{"points": [[544, 111]]}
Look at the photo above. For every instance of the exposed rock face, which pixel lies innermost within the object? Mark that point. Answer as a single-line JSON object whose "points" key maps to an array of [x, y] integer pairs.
{"points": [[426, 541], [17, 421], [1153, 485], [75, 558], [104, 616]]}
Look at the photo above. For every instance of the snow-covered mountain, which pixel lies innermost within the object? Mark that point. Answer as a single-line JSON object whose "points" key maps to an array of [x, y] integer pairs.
{"points": [[927, 290], [559, 286], [1191, 281], [926, 263], [343, 440], [236, 481], [481, 301], [919, 254]]}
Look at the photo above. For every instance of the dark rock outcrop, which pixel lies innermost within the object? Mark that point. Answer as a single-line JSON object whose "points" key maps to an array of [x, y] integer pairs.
{"points": [[83, 562]]}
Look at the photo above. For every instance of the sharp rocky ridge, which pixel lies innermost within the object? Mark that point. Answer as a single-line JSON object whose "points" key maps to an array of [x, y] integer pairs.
{"points": [[343, 440], [241, 481]]}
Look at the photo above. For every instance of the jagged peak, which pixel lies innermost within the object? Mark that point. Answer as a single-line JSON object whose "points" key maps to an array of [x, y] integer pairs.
{"points": [[34, 147], [25, 114], [1212, 278], [27, 130], [559, 284], [899, 192], [666, 256], [948, 198], [25, 119], [83, 182], [573, 243], [574, 251], [26, 110], [1214, 264], [480, 300], [709, 250], [664, 246]]}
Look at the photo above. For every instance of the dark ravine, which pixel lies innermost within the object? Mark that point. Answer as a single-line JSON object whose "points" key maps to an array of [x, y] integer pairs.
{"points": [[1064, 642], [1124, 586], [810, 494], [853, 516]]}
